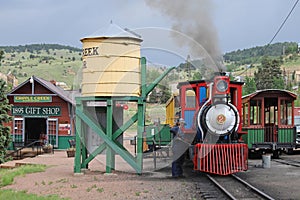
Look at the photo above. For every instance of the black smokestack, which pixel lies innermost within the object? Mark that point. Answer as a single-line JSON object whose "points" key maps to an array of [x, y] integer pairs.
{"points": [[193, 19]]}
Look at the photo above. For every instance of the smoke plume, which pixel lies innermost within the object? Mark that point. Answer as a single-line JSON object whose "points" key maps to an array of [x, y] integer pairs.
{"points": [[193, 19]]}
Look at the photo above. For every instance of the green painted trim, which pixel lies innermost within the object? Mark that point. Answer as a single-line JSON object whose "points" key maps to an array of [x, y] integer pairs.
{"points": [[253, 136], [63, 141], [110, 139], [95, 127], [125, 126], [140, 135], [286, 135], [78, 131], [93, 98], [161, 135], [110, 156], [97, 151], [84, 151], [151, 86], [32, 98]]}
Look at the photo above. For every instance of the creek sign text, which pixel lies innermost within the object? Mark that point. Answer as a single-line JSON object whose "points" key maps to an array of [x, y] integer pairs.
{"points": [[31, 99]]}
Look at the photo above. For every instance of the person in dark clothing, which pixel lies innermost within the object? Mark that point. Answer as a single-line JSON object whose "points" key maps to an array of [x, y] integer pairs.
{"points": [[179, 147], [174, 129]]}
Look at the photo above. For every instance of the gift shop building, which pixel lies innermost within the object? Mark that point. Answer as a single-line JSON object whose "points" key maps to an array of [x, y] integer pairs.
{"points": [[39, 109]]}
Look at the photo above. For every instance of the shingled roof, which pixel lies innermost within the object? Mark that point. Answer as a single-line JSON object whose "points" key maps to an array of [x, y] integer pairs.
{"points": [[68, 96]]}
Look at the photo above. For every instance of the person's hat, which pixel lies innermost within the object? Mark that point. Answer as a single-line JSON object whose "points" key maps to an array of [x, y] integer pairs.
{"points": [[181, 120]]}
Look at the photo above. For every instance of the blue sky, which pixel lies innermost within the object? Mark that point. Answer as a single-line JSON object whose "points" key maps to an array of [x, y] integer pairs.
{"points": [[238, 24]]}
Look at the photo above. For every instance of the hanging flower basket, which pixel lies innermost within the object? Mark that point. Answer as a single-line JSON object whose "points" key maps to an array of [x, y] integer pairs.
{"points": [[71, 152], [47, 148]]}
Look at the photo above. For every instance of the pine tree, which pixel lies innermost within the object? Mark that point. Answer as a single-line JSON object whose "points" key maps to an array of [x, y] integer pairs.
{"points": [[250, 86], [269, 75], [5, 138], [166, 94], [1, 56]]}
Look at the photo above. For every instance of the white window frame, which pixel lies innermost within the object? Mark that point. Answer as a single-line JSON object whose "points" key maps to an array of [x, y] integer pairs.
{"points": [[22, 121], [49, 120]]}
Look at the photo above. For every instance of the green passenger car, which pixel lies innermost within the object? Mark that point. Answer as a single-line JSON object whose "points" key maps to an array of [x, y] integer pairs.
{"points": [[268, 120]]}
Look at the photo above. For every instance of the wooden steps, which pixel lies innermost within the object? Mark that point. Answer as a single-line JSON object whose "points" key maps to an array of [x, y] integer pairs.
{"points": [[26, 153]]}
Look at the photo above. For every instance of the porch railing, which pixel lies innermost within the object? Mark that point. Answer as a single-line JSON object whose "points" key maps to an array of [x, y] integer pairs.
{"points": [[19, 146]]}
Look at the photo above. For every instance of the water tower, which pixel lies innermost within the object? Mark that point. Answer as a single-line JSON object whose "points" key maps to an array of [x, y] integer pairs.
{"points": [[113, 71]]}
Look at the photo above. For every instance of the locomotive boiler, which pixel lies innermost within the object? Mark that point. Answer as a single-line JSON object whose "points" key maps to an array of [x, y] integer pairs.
{"points": [[218, 119], [212, 112]]}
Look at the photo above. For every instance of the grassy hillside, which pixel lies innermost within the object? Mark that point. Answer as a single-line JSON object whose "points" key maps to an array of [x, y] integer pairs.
{"points": [[240, 60], [289, 65], [255, 54], [51, 62]]}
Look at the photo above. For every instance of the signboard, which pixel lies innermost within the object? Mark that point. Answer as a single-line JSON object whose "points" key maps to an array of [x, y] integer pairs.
{"points": [[36, 110], [96, 104], [32, 99], [65, 127]]}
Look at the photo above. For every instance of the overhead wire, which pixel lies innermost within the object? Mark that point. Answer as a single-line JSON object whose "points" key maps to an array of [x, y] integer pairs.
{"points": [[282, 24], [279, 29]]}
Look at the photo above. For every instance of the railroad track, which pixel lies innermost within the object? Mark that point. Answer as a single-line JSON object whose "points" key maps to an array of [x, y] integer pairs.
{"points": [[293, 163], [235, 188]]}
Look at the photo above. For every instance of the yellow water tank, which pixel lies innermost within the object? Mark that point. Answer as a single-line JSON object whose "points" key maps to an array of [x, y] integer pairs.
{"points": [[111, 63]]}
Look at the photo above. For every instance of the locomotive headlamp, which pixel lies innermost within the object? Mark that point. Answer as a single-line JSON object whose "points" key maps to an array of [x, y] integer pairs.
{"points": [[222, 86]]}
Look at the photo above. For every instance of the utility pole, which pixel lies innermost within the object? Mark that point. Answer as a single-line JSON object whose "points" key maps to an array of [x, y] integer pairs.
{"points": [[188, 66]]}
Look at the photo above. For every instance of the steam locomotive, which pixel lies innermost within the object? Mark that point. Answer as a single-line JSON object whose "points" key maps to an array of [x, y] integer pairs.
{"points": [[212, 112]]}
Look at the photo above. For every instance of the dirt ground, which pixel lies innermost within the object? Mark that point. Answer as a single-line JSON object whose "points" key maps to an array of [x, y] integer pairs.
{"points": [[59, 179], [279, 181]]}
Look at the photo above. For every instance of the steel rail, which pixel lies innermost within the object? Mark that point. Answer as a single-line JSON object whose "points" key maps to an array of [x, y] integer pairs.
{"points": [[287, 162], [226, 192], [221, 187], [253, 188]]}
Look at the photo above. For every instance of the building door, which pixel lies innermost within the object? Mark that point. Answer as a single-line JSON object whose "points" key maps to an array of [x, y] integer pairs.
{"points": [[271, 119], [34, 127], [52, 131]]}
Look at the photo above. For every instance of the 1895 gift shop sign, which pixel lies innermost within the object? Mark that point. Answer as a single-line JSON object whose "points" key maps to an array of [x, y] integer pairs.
{"points": [[36, 110]]}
